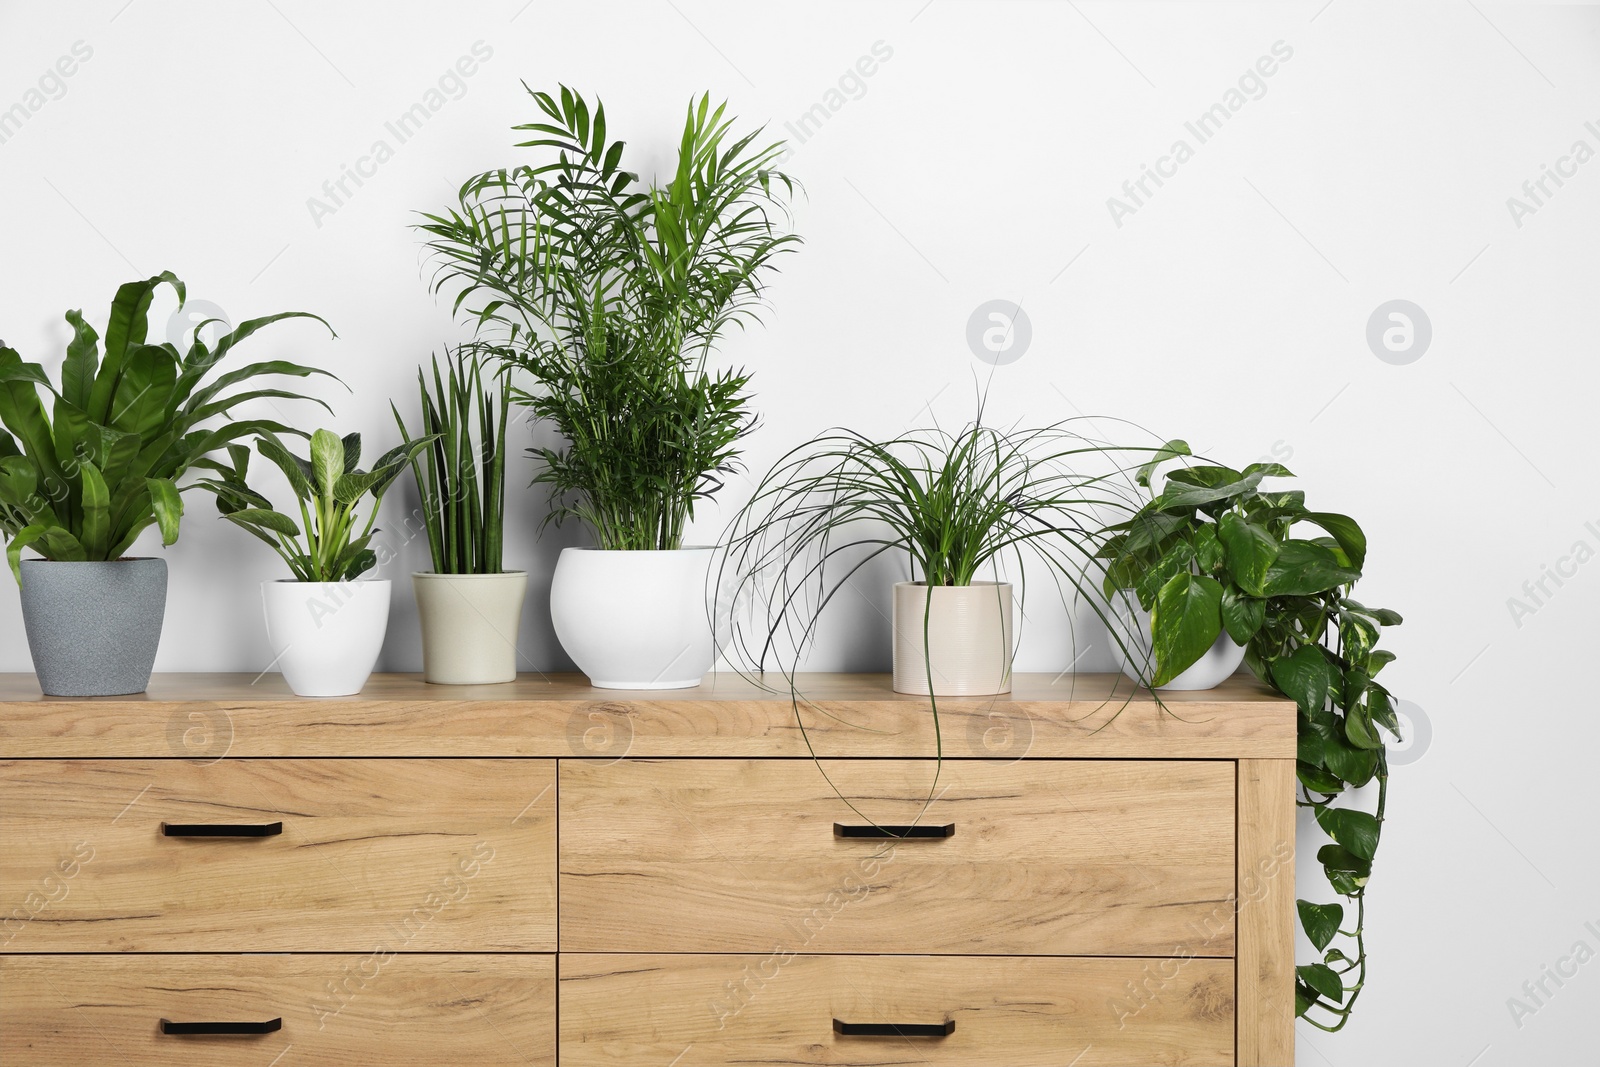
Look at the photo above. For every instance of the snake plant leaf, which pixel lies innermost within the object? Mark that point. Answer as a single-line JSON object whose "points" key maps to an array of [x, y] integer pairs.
{"points": [[327, 460], [297, 470], [168, 507], [83, 359]]}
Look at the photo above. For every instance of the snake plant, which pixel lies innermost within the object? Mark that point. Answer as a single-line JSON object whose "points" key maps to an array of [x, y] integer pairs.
{"points": [[462, 477], [88, 467]]}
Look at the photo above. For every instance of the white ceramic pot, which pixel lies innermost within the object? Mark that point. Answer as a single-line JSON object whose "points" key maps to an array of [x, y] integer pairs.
{"points": [[634, 620], [469, 625], [967, 645], [1216, 666], [326, 636]]}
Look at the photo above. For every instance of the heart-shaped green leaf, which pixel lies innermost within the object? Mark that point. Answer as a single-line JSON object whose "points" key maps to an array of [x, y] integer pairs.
{"points": [[1320, 921], [1185, 623]]}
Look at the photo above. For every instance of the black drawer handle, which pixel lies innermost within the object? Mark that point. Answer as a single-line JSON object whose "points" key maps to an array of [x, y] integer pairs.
{"points": [[944, 1029], [895, 833], [271, 1026], [218, 829]]}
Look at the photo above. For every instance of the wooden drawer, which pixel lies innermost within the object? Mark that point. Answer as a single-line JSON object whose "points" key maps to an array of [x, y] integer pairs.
{"points": [[1100, 858], [409, 855], [708, 1011], [377, 1009]]}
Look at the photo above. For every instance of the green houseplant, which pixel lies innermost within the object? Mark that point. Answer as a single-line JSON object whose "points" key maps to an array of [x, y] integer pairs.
{"points": [[1212, 553], [82, 478], [955, 505], [607, 294], [326, 624], [470, 607]]}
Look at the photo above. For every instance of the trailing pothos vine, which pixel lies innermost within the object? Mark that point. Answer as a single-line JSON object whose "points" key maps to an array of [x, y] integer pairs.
{"points": [[1211, 552]]}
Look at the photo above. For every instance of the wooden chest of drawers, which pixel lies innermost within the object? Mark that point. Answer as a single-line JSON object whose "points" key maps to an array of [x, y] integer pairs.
{"points": [[539, 872]]}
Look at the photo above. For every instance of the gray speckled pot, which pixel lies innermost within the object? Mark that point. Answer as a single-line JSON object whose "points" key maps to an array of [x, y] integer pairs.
{"points": [[93, 628]]}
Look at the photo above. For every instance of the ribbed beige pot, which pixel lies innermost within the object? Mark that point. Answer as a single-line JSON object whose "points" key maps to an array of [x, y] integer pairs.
{"points": [[469, 626], [968, 639]]}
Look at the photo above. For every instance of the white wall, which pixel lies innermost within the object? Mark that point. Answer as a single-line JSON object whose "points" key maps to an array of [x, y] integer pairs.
{"points": [[975, 164]]}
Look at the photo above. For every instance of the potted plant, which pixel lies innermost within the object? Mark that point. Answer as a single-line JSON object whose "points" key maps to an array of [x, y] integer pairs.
{"points": [[326, 624], [470, 608], [609, 294], [954, 505], [82, 479], [1213, 556]]}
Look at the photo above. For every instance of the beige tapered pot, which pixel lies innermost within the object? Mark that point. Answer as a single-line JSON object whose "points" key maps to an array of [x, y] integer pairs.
{"points": [[961, 640], [469, 626]]}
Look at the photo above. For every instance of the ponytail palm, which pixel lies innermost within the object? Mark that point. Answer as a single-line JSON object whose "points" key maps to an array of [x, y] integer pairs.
{"points": [[82, 478], [611, 293]]}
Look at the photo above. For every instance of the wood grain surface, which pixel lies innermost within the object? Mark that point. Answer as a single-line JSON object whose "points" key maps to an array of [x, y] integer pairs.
{"points": [[718, 1011], [203, 716], [336, 1011], [1266, 919], [1048, 857], [410, 855]]}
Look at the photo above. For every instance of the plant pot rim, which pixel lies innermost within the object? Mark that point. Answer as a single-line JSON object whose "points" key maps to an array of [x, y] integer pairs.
{"points": [[640, 551], [98, 562], [468, 577], [347, 581], [971, 585]]}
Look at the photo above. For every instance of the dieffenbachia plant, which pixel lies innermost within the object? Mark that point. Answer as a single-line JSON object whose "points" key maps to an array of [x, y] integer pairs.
{"points": [[1212, 552], [90, 466], [326, 545]]}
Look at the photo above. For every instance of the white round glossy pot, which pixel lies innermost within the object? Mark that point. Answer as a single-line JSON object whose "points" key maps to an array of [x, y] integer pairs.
{"points": [[469, 625], [326, 636], [1216, 666], [634, 620], [962, 640]]}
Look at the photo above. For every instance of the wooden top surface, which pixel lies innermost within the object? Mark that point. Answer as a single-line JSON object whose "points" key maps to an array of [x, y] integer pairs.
{"points": [[560, 715]]}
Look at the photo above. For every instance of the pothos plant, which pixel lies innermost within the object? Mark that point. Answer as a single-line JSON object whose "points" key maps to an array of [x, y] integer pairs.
{"points": [[1212, 552]]}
